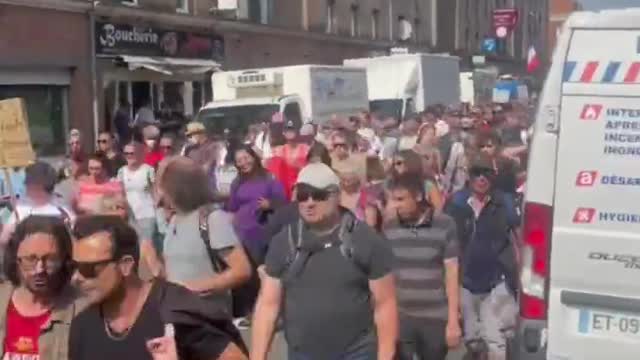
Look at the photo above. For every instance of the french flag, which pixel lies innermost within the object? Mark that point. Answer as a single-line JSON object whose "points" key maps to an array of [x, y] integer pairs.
{"points": [[533, 61]]}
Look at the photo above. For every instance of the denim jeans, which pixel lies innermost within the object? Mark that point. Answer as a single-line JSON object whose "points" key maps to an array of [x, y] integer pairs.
{"points": [[365, 348]]}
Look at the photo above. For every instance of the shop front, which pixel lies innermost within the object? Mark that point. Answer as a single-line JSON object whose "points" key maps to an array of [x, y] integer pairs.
{"points": [[168, 71]]}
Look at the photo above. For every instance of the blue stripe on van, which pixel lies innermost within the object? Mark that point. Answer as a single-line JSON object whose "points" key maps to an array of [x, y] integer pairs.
{"points": [[583, 323], [611, 71], [569, 66]]}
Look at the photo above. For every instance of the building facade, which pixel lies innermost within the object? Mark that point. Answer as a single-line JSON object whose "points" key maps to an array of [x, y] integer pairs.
{"points": [[49, 66], [559, 11], [474, 24], [95, 56]]}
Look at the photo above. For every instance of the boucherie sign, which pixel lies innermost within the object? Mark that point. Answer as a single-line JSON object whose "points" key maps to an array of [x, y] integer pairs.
{"points": [[125, 39]]}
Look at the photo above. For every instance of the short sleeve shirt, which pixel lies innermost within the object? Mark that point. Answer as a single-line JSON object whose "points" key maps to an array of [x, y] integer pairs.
{"points": [[23, 332]]}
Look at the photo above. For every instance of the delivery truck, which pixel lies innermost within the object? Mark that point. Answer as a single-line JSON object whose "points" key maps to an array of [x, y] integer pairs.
{"points": [[301, 93], [402, 84]]}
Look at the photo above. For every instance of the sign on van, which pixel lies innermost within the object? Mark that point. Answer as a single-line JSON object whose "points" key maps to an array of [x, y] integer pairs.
{"points": [[15, 142]]}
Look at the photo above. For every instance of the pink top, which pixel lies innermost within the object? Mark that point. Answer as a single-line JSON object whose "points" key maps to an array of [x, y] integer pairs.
{"points": [[89, 194]]}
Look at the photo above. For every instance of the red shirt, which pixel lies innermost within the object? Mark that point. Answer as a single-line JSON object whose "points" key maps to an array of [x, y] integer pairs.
{"points": [[21, 341], [153, 158]]}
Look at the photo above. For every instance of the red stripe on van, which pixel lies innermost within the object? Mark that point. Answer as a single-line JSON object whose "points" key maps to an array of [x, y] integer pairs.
{"points": [[632, 74], [589, 70]]}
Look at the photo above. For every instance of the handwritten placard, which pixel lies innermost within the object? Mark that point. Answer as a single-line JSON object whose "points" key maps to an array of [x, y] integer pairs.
{"points": [[15, 142]]}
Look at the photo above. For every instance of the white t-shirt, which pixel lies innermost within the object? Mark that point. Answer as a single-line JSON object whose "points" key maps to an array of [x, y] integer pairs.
{"points": [[138, 187], [24, 210]]}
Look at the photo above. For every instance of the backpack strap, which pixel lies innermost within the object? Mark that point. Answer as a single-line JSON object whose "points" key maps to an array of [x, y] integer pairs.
{"points": [[217, 262], [66, 217]]}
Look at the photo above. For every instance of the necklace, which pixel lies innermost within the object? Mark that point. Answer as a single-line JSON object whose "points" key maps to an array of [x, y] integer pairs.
{"points": [[112, 334]]}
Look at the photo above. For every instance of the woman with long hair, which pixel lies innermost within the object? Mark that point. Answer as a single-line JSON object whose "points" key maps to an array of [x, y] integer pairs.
{"points": [[95, 185], [409, 162]]}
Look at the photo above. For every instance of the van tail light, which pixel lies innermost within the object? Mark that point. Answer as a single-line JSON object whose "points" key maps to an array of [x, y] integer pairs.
{"points": [[536, 239]]}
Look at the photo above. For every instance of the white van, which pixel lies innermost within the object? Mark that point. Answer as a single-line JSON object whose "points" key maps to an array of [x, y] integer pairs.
{"points": [[580, 297]]}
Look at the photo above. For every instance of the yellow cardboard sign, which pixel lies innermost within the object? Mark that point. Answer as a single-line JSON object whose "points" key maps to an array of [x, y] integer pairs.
{"points": [[15, 142]]}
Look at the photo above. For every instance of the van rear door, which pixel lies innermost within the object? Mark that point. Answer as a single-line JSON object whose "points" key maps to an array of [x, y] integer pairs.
{"points": [[594, 288]]}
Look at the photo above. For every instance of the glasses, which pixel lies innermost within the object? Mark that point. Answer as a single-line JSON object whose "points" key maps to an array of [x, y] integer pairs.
{"points": [[303, 195], [30, 262], [90, 270], [344, 146], [478, 172]]}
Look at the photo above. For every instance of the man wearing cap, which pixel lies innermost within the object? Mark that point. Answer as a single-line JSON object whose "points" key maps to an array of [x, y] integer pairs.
{"points": [[330, 275], [200, 148], [40, 180], [485, 218]]}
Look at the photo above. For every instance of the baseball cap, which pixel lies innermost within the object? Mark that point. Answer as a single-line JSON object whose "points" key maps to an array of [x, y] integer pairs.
{"points": [[319, 176], [41, 173], [194, 127]]}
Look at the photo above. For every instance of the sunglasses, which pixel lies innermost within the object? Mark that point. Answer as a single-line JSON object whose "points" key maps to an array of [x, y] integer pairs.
{"points": [[303, 195], [30, 262], [90, 270], [102, 141], [478, 172], [128, 153]]}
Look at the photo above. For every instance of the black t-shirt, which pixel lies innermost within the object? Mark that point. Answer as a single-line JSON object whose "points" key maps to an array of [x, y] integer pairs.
{"points": [[115, 164], [328, 306], [89, 340]]}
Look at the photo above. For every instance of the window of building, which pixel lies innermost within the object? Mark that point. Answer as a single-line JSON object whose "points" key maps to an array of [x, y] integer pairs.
{"points": [[129, 2], [48, 111], [355, 21], [375, 23], [416, 30], [182, 6], [331, 16]]}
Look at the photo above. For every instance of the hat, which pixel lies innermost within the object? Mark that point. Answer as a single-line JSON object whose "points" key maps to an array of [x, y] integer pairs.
{"points": [[41, 173], [194, 127], [318, 175]]}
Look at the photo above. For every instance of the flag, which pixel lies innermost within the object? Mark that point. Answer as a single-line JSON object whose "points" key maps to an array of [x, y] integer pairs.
{"points": [[533, 61]]}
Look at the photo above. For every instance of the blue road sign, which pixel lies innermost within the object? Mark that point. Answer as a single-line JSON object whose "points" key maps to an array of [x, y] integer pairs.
{"points": [[489, 45]]}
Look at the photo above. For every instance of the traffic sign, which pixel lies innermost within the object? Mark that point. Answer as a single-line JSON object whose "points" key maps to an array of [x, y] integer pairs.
{"points": [[489, 45], [502, 32]]}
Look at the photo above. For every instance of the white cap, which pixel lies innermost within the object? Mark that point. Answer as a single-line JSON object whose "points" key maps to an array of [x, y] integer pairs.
{"points": [[318, 175]]}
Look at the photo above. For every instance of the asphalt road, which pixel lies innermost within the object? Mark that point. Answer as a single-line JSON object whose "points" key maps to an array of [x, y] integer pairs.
{"points": [[279, 352]]}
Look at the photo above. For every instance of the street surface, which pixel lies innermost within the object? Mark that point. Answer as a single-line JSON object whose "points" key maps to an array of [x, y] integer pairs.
{"points": [[279, 348]]}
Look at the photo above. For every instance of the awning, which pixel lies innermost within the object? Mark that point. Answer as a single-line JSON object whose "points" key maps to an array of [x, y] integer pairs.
{"points": [[170, 66]]}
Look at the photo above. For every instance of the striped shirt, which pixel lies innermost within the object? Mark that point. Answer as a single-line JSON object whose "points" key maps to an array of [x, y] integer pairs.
{"points": [[419, 256]]}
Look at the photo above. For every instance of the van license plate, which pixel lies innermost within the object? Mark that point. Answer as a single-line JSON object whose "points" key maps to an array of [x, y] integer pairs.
{"points": [[605, 323]]}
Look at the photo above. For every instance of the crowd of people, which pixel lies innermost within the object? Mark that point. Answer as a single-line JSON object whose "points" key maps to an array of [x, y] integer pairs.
{"points": [[361, 238]]}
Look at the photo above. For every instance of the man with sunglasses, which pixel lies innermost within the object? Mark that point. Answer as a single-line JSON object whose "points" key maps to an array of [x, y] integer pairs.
{"points": [[128, 314], [486, 218], [332, 276]]}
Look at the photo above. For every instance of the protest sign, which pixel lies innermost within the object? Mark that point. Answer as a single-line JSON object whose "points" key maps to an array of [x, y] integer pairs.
{"points": [[15, 142]]}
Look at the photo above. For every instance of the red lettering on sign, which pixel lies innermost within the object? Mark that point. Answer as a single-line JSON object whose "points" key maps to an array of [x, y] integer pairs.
{"points": [[586, 178], [591, 112], [584, 215]]}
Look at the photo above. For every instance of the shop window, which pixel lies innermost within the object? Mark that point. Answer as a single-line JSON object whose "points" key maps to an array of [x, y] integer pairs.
{"points": [[47, 108], [182, 6], [129, 2], [375, 24]]}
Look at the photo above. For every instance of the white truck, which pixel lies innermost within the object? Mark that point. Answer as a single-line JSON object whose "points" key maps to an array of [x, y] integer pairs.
{"points": [[301, 93], [402, 84]]}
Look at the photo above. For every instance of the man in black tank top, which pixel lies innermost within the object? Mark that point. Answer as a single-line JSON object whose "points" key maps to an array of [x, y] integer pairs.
{"points": [[127, 312]]}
